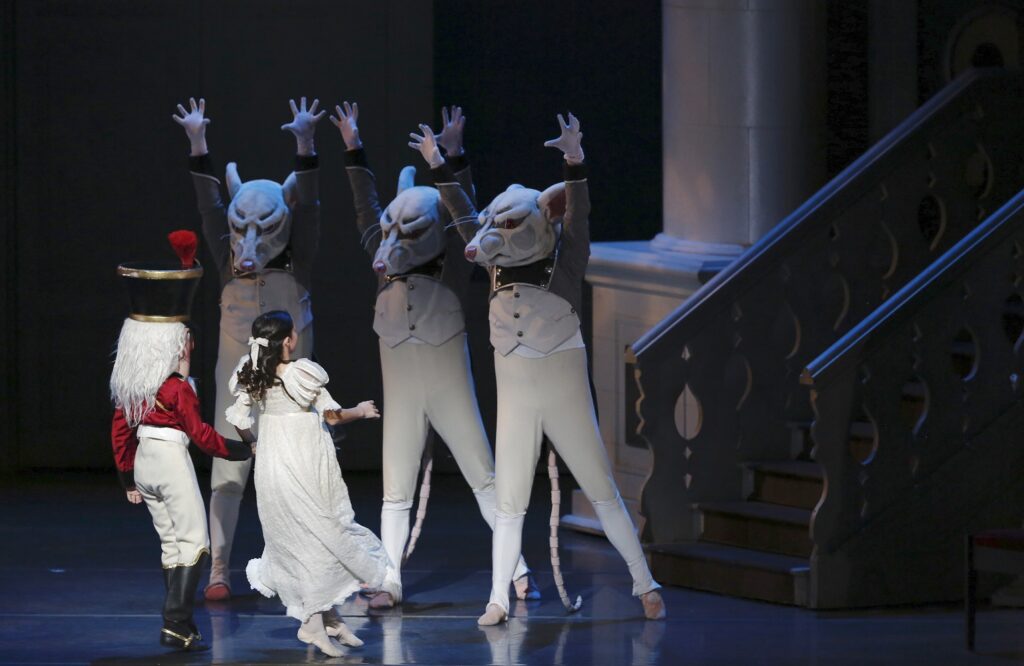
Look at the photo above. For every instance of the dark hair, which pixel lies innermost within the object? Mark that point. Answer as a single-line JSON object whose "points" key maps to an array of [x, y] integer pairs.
{"points": [[275, 326]]}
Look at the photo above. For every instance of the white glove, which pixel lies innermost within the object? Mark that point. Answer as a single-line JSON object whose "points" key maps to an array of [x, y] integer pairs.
{"points": [[570, 141], [303, 125], [346, 124], [450, 137], [194, 124], [427, 145]]}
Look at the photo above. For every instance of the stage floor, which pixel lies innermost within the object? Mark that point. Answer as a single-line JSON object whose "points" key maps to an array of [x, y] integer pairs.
{"points": [[81, 584]]}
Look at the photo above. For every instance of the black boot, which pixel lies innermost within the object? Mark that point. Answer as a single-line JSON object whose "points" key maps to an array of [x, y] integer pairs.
{"points": [[180, 630]]}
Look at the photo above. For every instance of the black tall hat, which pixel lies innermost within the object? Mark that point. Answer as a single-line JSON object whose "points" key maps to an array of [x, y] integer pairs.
{"points": [[162, 291]]}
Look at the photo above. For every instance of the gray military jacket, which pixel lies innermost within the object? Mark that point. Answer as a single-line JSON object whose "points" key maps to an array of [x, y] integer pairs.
{"points": [[425, 303], [539, 318], [284, 283]]}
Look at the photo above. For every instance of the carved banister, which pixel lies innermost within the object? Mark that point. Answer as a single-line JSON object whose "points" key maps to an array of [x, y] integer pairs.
{"points": [[937, 372], [720, 375]]}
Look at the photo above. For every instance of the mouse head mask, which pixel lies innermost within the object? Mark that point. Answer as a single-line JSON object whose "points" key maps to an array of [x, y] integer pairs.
{"points": [[259, 219], [519, 227], [412, 227]]}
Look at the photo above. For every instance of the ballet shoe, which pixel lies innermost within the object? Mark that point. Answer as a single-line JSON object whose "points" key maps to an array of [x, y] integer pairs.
{"points": [[336, 628], [526, 588], [382, 600], [322, 642], [217, 592], [494, 614], [654, 605], [344, 635]]}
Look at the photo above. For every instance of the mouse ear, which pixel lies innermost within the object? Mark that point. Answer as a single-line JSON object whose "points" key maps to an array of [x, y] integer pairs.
{"points": [[552, 203], [233, 181], [290, 190], [406, 178]]}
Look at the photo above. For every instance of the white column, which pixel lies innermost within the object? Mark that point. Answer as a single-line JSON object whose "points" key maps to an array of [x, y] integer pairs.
{"points": [[743, 104], [743, 107]]}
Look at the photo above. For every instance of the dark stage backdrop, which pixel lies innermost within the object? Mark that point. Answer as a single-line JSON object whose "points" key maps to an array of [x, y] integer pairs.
{"points": [[95, 171], [101, 177], [512, 65]]}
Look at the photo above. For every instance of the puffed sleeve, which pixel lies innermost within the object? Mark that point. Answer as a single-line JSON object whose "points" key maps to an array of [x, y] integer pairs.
{"points": [[306, 382], [240, 413]]}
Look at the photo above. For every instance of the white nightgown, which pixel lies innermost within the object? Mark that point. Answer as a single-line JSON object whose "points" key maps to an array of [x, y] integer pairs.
{"points": [[315, 555]]}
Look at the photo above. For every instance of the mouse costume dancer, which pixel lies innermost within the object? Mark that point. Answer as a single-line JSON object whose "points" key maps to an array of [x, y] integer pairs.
{"points": [[156, 414], [316, 554], [263, 243], [536, 246], [423, 351]]}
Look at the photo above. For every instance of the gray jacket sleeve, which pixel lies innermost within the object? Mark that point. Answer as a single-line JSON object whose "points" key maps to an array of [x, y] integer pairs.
{"points": [[574, 244], [459, 204], [365, 197], [213, 211], [305, 233], [464, 175], [576, 224]]}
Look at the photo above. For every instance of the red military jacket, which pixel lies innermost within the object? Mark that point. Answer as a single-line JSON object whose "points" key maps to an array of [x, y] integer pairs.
{"points": [[177, 406]]}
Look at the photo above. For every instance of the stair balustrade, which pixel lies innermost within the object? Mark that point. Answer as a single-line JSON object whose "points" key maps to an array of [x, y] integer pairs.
{"points": [[938, 374], [719, 379]]}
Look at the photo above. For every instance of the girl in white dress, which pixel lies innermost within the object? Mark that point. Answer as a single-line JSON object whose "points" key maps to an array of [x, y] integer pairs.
{"points": [[316, 555]]}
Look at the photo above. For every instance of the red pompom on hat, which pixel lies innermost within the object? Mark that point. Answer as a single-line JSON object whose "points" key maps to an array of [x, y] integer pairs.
{"points": [[184, 243]]}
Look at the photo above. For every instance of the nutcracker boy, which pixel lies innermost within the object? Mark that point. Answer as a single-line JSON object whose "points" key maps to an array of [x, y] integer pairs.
{"points": [[156, 414]]}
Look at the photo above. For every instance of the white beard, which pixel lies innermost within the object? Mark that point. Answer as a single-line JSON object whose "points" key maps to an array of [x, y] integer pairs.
{"points": [[147, 354]]}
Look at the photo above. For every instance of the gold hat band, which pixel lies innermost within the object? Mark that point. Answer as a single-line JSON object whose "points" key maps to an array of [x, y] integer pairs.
{"points": [[161, 274], [158, 319]]}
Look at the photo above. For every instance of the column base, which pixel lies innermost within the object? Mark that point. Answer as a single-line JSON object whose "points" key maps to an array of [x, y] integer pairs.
{"points": [[635, 284]]}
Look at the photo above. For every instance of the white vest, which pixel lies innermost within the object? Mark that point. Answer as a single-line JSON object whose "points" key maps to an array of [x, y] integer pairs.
{"points": [[417, 307], [530, 316], [245, 298]]}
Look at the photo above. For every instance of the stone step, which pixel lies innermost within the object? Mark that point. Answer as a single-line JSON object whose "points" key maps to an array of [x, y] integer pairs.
{"points": [[794, 483], [757, 526], [733, 571]]}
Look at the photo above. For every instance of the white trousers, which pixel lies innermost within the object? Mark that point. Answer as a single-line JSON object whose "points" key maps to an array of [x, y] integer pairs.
{"points": [[551, 395], [229, 478], [165, 478], [428, 386]]}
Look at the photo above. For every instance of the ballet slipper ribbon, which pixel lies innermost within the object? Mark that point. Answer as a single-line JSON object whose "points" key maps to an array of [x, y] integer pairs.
{"points": [[254, 348]]}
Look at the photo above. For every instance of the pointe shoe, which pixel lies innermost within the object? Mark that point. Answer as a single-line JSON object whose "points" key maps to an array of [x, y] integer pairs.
{"points": [[494, 614], [382, 600], [654, 605], [336, 628], [217, 592], [344, 635], [526, 588], [322, 641]]}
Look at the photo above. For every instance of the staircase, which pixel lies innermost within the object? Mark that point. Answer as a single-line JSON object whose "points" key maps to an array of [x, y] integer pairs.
{"points": [[756, 548], [743, 452]]}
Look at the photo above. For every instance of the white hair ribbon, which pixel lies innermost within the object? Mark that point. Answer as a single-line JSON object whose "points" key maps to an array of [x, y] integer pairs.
{"points": [[254, 348]]}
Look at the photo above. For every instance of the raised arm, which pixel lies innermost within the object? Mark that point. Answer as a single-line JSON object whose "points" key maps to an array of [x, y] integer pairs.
{"points": [[207, 186], [360, 177], [302, 192], [458, 202], [576, 224], [303, 125], [453, 125]]}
